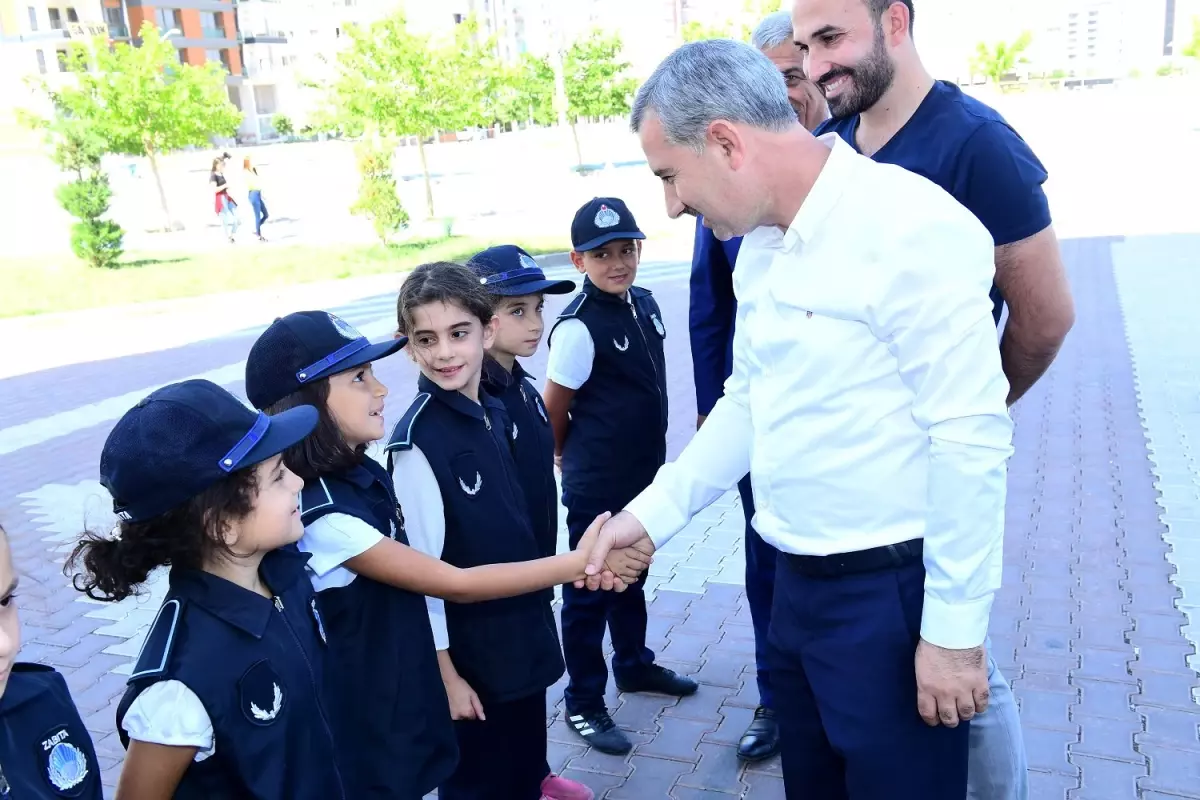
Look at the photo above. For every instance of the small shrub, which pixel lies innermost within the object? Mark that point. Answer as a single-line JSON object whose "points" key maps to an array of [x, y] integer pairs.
{"points": [[283, 125], [377, 198]]}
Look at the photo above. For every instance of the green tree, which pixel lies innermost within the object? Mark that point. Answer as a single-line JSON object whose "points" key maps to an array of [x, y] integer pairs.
{"points": [[79, 150], [141, 101], [594, 81], [1000, 59], [392, 82], [1192, 48], [740, 26], [377, 198], [524, 92], [282, 124], [695, 31]]}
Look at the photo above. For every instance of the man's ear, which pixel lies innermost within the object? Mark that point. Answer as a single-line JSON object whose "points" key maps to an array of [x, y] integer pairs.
{"points": [[728, 143]]}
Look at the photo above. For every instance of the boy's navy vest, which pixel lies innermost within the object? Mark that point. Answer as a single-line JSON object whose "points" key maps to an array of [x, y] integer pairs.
{"points": [[257, 666], [617, 439], [45, 751], [505, 649], [393, 720], [533, 448]]}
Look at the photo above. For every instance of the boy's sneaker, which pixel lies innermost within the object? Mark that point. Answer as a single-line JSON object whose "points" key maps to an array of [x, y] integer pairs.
{"points": [[556, 787], [599, 731], [660, 680]]}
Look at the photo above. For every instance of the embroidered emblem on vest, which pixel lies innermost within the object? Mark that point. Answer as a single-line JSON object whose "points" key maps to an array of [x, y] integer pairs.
{"points": [[347, 330], [606, 217], [541, 409], [262, 695], [320, 624], [472, 491], [65, 764], [658, 326], [621, 346], [514, 431]]}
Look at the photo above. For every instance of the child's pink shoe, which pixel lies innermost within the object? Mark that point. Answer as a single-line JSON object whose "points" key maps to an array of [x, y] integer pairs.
{"points": [[559, 788]]}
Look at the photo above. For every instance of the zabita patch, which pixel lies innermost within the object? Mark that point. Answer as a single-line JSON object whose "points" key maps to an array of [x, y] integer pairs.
{"points": [[63, 760], [262, 694]]}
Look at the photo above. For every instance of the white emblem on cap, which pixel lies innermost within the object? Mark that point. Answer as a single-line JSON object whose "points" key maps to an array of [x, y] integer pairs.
{"points": [[344, 328], [606, 217], [527, 262]]}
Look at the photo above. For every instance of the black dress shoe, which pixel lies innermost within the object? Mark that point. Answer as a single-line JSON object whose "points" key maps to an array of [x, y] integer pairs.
{"points": [[660, 680], [761, 739], [598, 730]]}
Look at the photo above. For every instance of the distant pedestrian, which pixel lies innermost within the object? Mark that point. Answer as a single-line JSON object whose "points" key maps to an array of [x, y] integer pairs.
{"points": [[45, 750], [254, 188], [223, 204], [226, 698]]}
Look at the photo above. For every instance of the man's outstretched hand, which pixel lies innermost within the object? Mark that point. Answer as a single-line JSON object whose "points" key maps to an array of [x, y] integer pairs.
{"points": [[621, 531]]}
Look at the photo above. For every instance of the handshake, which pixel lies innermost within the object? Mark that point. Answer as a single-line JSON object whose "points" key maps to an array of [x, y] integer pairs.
{"points": [[616, 550]]}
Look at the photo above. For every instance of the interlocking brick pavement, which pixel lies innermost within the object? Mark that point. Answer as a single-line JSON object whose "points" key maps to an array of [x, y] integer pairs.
{"points": [[1087, 626]]}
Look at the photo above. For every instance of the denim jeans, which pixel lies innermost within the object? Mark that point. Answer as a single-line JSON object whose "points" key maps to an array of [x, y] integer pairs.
{"points": [[229, 217], [997, 768], [260, 210]]}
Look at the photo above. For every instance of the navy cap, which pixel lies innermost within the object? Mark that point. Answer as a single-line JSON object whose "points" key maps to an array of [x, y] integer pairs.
{"points": [[184, 438], [600, 221], [509, 271], [303, 347]]}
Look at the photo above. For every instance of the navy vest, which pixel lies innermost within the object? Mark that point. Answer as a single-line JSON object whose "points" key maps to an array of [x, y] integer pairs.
{"points": [[45, 751], [532, 445], [618, 434], [505, 649], [257, 666], [393, 719]]}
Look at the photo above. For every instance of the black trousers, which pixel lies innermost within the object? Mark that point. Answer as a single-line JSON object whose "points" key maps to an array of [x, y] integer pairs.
{"points": [[502, 757], [845, 691], [586, 613]]}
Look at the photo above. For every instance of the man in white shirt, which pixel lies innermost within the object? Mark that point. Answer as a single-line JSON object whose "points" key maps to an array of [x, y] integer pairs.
{"points": [[868, 403]]}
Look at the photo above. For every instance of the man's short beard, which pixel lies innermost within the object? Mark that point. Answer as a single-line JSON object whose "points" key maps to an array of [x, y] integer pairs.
{"points": [[870, 80]]}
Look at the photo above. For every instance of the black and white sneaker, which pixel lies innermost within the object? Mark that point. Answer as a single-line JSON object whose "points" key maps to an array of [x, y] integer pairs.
{"points": [[599, 731]]}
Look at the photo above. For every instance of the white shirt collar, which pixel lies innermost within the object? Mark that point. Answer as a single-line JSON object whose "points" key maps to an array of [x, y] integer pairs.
{"points": [[826, 191]]}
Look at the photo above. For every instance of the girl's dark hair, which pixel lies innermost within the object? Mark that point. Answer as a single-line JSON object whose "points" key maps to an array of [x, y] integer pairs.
{"points": [[111, 569], [442, 282], [324, 450]]}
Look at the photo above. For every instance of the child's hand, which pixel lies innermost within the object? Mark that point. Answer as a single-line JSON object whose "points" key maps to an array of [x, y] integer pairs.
{"points": [[558, 464], [464, 703], [627, 563]]}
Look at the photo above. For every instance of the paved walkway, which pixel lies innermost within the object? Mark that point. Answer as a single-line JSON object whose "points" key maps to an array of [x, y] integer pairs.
{"points": [[1090, 625]]}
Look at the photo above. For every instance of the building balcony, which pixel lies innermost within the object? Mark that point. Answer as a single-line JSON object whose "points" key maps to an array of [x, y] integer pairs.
{"points": [[264, 37]]}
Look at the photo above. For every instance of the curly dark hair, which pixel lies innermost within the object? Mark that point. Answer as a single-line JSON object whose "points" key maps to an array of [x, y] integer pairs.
{"points": [[324, 450], [442, 282], [111, 569]]}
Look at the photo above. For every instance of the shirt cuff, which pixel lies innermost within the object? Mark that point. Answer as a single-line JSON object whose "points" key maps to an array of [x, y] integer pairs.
{"points": [[437, 623], [955, 626], [658, 515]]}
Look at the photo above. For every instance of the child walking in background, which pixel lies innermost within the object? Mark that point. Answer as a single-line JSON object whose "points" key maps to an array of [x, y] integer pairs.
{"points": [[393, 719], [254, 193], [606, 396], [45, 750], [225, 699], [453, 454]]}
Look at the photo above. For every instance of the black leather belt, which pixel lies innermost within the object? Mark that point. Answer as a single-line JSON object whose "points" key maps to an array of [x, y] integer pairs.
{"points": [[877, 558]]}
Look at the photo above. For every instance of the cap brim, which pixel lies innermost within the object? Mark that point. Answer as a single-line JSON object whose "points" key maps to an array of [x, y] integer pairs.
{"points": [[604, 239], [533, 287], [285, 429], [372, 352]]}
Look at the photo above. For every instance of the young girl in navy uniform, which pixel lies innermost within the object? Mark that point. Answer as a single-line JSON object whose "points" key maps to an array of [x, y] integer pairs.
{"points": [[45, 751], [394, 722], [452, 454], [225, 699]]}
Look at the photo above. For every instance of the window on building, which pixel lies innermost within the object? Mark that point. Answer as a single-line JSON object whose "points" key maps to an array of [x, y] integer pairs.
{"points": [[41, 62], [33, 20], [72, 15], [63, 65], [211, 25], [235, 97], [458, 19], [264, 99], [181, 54], [55, 16], [115, 22], [167, 18]]}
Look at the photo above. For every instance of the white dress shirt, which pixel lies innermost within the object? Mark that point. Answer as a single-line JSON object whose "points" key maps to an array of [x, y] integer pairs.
{"points": [[419, 495], [867, 400]]}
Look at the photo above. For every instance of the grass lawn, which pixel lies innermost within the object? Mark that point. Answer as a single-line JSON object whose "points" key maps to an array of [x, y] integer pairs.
{"points": [[61, 283]]}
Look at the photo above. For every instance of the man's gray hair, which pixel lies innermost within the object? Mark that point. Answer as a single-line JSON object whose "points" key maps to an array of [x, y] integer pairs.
{"points": [[773, 31], [709, 80]]}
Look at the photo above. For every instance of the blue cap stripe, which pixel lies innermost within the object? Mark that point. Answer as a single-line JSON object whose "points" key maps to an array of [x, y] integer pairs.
{"points": [[501, 277], [333, 358], [234, 457]]}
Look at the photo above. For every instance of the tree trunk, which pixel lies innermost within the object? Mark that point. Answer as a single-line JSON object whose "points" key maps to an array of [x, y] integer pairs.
{"points": [[162, 193], [575, 137], [425, 171]]}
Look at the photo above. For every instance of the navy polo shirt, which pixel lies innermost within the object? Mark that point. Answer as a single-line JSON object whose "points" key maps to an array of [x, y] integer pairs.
{"points": [[968, 149]]}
